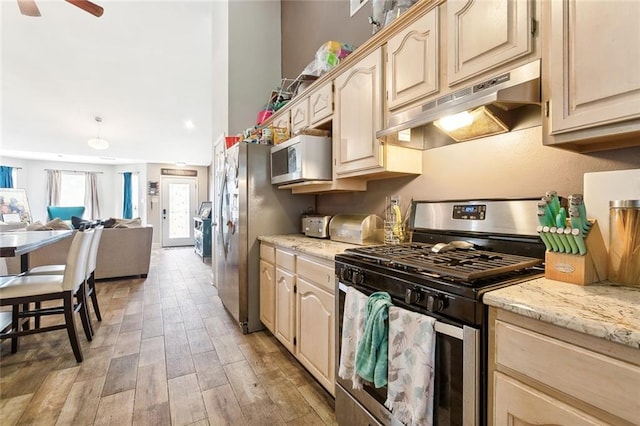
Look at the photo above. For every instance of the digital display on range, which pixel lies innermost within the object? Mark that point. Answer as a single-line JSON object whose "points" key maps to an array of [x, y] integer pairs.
{"points": [[469, 211]]}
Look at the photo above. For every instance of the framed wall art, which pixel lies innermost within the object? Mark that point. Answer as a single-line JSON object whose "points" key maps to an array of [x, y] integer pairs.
{"points": [[13, 201]]}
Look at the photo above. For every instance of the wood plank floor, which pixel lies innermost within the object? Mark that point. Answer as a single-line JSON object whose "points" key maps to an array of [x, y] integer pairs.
{"points": [[165, 353]]}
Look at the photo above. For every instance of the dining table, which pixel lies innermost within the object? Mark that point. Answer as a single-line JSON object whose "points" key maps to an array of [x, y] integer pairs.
{"points": [[21, 243]]}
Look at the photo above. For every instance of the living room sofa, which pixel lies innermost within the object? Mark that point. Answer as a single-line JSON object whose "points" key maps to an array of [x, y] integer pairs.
{"points": [[123, 252]]}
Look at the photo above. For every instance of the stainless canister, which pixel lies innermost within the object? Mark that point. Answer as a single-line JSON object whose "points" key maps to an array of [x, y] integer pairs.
{"points": [[624, 241]]}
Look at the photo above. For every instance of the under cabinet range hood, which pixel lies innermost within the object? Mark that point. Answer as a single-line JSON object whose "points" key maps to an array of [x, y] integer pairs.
{"points": [[505, 102]]}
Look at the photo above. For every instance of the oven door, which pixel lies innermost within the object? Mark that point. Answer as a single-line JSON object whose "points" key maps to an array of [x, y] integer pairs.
{"points": [[457, 376]]}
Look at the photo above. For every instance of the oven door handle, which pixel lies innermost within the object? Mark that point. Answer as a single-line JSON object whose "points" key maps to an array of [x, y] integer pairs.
{"points": [[440, 327]]}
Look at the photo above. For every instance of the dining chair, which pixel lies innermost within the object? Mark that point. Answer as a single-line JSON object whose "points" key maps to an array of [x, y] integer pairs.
{"points": [[90, 276], [69, 288]]}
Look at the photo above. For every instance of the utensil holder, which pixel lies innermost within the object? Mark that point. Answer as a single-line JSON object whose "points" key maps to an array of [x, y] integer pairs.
{"points": [[582, 270]]}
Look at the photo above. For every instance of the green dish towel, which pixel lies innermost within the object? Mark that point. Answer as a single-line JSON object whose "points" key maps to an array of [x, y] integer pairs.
{"points": [[371, 355]]}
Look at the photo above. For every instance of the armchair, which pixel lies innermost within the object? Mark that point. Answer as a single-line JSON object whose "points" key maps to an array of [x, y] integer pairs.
{"points": [[64, 212]]}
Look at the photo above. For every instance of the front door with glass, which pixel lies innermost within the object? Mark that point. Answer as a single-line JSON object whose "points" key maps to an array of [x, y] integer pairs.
{"points": [[179, 206]]}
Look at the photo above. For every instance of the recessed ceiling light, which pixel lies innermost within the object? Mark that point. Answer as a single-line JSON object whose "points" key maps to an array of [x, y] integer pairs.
{"points": [[189, 124]]}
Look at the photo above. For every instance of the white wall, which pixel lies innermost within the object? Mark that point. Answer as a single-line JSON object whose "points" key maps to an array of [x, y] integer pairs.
{"points": [[32, 176]]}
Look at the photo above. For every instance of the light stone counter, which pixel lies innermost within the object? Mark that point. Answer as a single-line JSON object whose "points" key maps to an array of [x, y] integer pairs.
{"points": [[604, 310], [325, 249]]}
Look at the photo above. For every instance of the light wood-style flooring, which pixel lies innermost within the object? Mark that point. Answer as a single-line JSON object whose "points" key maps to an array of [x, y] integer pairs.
{"points": [[166, 353]]}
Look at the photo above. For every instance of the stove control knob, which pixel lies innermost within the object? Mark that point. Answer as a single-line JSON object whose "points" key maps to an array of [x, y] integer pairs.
{"points": [[345, 274], [434, 303], [357, 277], [412, 295]]}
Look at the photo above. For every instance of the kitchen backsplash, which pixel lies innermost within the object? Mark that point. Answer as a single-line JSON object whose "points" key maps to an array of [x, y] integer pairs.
{"points": [[510, 165]]}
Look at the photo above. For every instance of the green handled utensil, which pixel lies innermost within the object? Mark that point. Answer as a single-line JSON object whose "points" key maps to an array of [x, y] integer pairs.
{"points": [[544, 237], [579, 239], [547, 232], [554, 234], [564, 240], [572, 241]]}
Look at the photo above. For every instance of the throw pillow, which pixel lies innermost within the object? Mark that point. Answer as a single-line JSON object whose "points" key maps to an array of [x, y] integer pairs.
{"points": [[58, 224], [128, 223], [37, 226]]}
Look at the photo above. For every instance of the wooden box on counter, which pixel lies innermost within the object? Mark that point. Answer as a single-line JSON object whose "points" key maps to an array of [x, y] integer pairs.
{"points": [[582, 270]]}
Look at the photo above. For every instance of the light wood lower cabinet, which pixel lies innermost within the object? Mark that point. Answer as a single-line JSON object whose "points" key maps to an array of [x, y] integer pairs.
{"points": [[268, 286], [285, 300], [544, 374], [316, 318], [267, 294], [297, 306], [519, 404]]}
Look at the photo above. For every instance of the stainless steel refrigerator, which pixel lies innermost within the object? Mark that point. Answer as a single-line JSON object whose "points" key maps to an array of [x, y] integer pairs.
{"points": [[249, 206]]}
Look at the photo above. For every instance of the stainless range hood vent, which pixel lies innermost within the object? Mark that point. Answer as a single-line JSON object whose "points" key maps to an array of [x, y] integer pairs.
{"points": [[504, 102]]}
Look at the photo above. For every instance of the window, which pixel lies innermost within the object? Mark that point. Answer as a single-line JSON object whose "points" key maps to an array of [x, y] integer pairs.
{"points": [[72, 189]]}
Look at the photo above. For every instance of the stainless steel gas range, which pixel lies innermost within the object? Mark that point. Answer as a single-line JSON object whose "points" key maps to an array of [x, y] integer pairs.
{"points": [[460, 250]]}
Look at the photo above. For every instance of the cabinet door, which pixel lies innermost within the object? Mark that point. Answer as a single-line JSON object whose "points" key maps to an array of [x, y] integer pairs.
{"points": [[316, 332], [358, 117], [486, 34], [300, 116], [285, 308], [267, 294], [412, 62], [321, 103], [594, 63], [283, 120], [518, 404]]}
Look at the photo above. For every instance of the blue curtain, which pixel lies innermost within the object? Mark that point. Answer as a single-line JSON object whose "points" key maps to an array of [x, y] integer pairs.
{"points": [[127, 205], [6, 177]]}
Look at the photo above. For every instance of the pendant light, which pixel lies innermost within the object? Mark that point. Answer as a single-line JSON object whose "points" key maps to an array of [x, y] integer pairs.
{"points": [[98, 142]]}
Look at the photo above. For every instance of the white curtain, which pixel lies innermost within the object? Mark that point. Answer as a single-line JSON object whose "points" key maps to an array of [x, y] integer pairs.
{"points": [[91, 202], [54, 187]]}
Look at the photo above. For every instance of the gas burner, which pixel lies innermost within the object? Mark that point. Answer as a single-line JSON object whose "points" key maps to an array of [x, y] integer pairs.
{"points": [[463, 264]]}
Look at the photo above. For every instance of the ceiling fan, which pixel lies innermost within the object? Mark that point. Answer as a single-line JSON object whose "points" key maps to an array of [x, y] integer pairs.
{"points": [[29, 7]]}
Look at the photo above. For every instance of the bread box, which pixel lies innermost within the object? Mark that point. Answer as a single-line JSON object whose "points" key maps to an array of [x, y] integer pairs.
{"points": [[362, 229]]}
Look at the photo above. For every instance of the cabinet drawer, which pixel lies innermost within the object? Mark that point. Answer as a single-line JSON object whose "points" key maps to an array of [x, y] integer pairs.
{"points": [[285, 259], [267, 253], [603, 382], [320, 273]]}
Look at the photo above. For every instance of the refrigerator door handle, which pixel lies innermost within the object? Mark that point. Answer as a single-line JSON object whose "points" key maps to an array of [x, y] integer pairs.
{"points": [[223, 192]]}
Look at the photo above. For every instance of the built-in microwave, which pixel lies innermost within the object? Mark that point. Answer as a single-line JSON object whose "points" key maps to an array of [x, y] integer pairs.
{"points": [[300, 159]]}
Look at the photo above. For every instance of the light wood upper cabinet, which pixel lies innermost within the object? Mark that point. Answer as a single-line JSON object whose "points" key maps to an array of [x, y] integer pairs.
{"points": [[321, 103], [592, 82], [283, 120], [412, 65], [482, 35], [358, 116], [300, 115]]}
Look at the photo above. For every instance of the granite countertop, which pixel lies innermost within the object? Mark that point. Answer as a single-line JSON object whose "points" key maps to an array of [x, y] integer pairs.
{"points": [[605, 310], [325, 249]]}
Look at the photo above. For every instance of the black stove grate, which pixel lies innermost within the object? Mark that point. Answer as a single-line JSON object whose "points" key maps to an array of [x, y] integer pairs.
{"points": [[463, 264]]}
